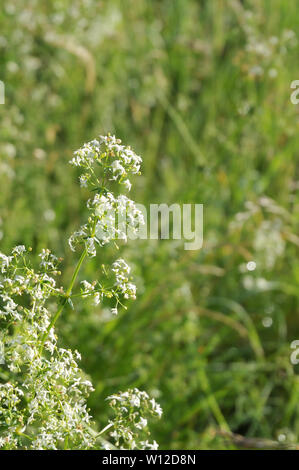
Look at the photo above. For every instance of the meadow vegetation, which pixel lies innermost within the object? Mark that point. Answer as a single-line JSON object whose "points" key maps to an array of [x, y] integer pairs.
{"points": [[201, 90]]}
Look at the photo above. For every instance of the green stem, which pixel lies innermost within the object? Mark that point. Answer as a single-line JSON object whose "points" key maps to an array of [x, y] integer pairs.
{"points": [[25, 435], [64, 300], [105, 429], [79, 264], [66, 443]]}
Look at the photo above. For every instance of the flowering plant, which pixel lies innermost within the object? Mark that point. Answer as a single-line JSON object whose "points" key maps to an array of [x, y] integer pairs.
{"points": [[43, 392]]}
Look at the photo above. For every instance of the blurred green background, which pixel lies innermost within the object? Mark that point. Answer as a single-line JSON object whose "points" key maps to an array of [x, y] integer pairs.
{"points": [[201, 90]]}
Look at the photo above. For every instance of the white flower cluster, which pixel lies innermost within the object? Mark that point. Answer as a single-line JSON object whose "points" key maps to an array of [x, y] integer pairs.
{"points": [[117, 161], [41, 393], [131, 410], [111, 217], [122, 286], [264, 54], [122, 272]]}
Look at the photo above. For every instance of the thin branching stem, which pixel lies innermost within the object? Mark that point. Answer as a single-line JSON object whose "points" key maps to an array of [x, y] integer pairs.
{"points": [[64, 299]]}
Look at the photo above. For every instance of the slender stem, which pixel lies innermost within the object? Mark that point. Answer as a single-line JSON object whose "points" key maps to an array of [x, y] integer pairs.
{"points": [[66, 443], [105, 429], [68, 292], [98, 435], [82, 258], [25, 435], [64, 300]]}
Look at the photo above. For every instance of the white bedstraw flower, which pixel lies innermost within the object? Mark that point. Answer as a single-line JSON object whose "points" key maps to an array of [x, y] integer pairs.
{"points": [[19, 249], [127, 184], [130, 424], [142, 423]]}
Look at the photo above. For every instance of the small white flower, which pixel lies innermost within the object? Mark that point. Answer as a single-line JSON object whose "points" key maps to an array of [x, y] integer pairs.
{"points": [[19, 250], [142, 423], [127, 184]]}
